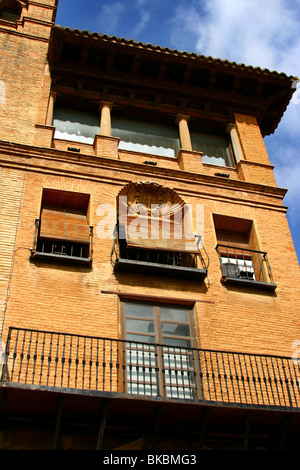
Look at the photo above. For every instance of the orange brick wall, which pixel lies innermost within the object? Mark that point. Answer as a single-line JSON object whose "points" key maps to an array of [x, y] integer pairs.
{"points": [[86, 301], [11, 194], [251, 139], [24, 72]]}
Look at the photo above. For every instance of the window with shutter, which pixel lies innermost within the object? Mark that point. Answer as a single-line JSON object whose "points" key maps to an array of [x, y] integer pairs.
{"points": [[63, 232], [240, 257]]}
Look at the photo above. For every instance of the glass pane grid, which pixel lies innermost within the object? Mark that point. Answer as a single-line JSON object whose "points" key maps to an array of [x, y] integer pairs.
{"points": [[169, 360]]}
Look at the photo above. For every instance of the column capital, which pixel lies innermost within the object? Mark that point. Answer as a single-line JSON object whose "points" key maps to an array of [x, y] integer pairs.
{"points": [[182, 117], [231, 127], [106, 104]]}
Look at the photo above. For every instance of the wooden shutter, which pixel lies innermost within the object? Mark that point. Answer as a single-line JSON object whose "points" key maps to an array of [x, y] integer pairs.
{"points": [[237, 244], [158, 234], [64, 224]]}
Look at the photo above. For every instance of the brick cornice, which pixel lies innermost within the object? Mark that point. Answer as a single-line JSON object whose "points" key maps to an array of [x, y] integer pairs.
{"points": [[30, 157]]}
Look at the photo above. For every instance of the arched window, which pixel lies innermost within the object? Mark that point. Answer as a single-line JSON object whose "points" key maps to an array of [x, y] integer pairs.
{"points": [[10, 10]]}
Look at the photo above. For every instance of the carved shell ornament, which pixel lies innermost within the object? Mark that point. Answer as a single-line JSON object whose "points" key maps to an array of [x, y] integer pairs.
{"points": [[149, 199]]}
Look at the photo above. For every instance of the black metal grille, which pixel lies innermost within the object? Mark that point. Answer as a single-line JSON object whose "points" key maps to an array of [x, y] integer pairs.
{"points": [[58, 250], [193, 261], [53, 359], [245, 265]]}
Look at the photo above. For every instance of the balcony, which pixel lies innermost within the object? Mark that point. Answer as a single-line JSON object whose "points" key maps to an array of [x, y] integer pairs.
{"points": [[58, 251], [60, 361], [111, 394], [191, 265], [245, 267]]}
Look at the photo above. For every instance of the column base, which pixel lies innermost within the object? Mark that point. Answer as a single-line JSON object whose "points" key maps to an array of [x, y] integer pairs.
{"points": [[190, 161]]}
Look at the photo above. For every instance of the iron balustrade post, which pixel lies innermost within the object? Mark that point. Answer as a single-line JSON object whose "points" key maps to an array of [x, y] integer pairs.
{"points": [[35, 356], [231, 378], [28, 356], [219, 376], [254, 378], [70, 361], [287, 383], [291, 382], [225, 375], [268, 381], [269, 267], [42, 358], [117, 364], [110, 367], [4, 371]]}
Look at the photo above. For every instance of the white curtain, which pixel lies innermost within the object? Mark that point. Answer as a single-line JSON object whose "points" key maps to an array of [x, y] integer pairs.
{"points": [[146, 137], [72, 124], [215, 148]]}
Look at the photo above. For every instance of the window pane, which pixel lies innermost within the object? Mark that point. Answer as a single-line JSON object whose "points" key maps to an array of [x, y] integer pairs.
{"points": [[141, 326], [185, 343], [176, 330], [141, 338], [214, 148], [72, 124], [139, 310], [174, 314], [146, 137]]}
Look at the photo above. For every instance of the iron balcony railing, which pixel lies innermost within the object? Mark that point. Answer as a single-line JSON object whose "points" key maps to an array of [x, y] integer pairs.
{"points": [[68, 361], [191, 265], [245, 266], [57, 250]]}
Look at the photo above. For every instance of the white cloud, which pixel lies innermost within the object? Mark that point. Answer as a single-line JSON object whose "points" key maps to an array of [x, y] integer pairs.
{"points": [[259, 33], [143, 20], [109, 17], [123, 19]]}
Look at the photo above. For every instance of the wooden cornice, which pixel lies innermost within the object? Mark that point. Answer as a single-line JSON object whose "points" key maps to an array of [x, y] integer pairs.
{"points": [[128, 73]]}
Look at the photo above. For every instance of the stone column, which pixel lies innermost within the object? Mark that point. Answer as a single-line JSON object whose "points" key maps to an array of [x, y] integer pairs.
{"points": [[235, 141], [184, 133], [105, 120]]}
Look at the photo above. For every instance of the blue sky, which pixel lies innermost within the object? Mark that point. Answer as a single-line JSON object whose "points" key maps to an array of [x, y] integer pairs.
{"points": [[254, 32]]}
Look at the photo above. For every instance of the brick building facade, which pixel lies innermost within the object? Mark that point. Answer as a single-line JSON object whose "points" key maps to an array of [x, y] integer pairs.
{"points": [[105, 334]]}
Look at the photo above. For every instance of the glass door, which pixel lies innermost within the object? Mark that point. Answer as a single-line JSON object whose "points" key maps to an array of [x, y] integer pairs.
{"points": [[177, 354], [160, 359], [141, 354]]}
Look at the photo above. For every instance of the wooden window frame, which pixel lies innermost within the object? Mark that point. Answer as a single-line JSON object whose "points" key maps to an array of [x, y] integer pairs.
{"points": [[160, 349]]}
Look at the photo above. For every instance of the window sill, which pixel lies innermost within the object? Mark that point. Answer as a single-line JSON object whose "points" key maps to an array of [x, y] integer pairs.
{"points": [[248, 283], [60, 259], [142, 267]]}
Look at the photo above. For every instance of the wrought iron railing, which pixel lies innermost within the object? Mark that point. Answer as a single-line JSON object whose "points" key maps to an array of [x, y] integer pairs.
{"points": [[245, 265], [188, 259], [58, 250], [52, 359]]}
